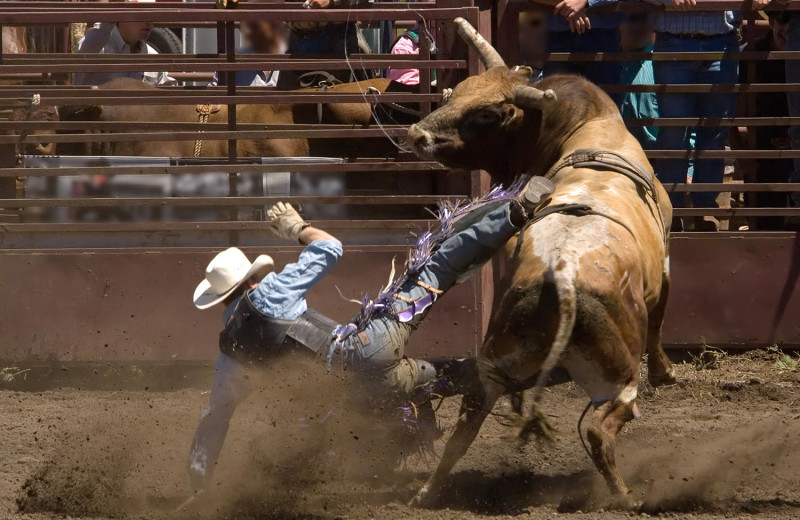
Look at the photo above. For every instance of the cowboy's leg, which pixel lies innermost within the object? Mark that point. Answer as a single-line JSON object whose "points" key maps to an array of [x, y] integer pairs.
{"points": [[463, 252], [378, 353], [229, 388]]}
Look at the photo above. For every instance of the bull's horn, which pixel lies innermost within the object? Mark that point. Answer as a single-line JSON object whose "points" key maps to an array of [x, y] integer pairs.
{"points": [[490, 57], [530, 97]]}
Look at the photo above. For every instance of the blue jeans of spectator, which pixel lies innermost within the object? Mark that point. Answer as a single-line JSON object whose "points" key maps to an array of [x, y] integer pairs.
{"points": [[594, 40], [230, 387], [793, 98], [705, 106], [455, 258]]}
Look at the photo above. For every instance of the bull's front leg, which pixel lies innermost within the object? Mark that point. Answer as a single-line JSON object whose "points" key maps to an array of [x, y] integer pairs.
{"points": [[659, 368], [476, 405]]}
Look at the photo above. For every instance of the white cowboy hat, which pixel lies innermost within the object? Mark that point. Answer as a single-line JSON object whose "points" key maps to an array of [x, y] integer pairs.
{"points": [[225, 273]]}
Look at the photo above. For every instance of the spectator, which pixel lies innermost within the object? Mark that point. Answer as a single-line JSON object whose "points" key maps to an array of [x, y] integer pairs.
{"points": [[573, 30], [533, 42], [332, 38], [767, 104], [695, 32], [793, 98], [408, 43], [262, 37], [636, 34], [119, 38]]}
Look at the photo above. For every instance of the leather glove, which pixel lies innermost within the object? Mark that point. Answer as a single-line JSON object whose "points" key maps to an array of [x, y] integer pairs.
{"points": [[285, 221]]}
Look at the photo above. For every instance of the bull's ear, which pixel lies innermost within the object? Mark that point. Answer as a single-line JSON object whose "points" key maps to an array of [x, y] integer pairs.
{"points": [[80, 113], [514, 117], [524, 72]]}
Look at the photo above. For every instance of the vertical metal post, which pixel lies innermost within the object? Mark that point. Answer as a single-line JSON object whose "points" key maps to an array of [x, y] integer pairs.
{"points": [[424, 74], [230, 76]]}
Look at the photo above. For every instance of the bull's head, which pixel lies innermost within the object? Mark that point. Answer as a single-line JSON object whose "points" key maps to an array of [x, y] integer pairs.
{"points": [[485, 117]]}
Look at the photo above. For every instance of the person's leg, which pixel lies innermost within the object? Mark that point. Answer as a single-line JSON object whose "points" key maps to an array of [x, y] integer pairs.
{"points": [[793, 98], [673, 105], [227, 391], [714, 106]]}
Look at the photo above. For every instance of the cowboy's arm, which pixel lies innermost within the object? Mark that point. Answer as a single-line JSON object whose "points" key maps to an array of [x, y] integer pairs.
{"points": [[311, 234], [282, 295]]}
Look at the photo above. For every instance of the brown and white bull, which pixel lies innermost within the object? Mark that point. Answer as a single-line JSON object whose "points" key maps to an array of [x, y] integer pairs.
{"points": [[586, 286]]}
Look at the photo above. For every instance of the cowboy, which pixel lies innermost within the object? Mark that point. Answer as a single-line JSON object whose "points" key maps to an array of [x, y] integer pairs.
{"points": [[266, 314]]}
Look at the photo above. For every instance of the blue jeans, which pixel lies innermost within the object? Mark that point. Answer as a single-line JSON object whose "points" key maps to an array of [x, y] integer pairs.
{"points": [[710, 106], [594, 40], [793, 98], [230, 387]]}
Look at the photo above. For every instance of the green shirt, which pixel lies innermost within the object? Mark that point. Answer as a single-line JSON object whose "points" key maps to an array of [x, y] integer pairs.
{"points": [[640, 105]]}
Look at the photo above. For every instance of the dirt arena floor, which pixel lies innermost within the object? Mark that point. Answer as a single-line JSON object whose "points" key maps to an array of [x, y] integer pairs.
{"points": [[724, 443]]}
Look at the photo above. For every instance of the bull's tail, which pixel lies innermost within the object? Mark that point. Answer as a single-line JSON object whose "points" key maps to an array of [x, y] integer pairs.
{"points": [[564, 280]]}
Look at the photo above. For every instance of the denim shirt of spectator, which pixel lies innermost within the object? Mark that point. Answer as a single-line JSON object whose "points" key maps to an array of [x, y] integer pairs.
{"points": [[640, 105], [597, 20], [283, 295]]}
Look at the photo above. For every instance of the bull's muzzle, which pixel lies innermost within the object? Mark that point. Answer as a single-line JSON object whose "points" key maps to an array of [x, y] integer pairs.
{"points": [[419, 138]]}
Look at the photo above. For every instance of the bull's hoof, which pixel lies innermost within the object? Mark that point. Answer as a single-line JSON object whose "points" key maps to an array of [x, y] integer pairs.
{"points": [[624, 502], [667, 378], [423, 499]]}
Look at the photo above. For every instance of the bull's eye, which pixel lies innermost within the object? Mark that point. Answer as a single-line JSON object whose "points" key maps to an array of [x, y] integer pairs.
{"points": [[484, 119]]}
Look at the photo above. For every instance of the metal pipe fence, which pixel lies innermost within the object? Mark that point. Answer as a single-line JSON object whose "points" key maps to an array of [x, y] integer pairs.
{"points": [[396, 189]]}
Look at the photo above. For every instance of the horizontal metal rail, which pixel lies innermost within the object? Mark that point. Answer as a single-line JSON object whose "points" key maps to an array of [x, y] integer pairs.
{"points": [[309, 133], [369, 166], [227, 201], [241, 225], [50, 16], [732, 186], [248, 225], [277, 97], [205, 66], [16, 126]]}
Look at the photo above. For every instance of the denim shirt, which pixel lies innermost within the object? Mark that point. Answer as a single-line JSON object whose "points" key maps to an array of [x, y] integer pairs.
{"points": [[283, 295]]}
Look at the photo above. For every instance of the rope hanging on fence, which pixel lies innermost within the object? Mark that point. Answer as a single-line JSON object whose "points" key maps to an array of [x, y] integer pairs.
{"points": [[203, 112]]}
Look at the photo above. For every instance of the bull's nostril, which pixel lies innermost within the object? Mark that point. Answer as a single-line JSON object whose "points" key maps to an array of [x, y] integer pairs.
{"points": [[418, 136]]}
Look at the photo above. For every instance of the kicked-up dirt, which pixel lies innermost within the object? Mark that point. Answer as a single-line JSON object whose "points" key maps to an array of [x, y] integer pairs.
{"points": [[723, 443]]}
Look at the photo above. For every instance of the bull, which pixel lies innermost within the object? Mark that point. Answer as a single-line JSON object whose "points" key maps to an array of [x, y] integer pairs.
{"points": [[587, 281]]}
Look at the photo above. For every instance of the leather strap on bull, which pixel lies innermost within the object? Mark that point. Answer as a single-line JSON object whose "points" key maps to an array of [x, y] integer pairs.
{"points": [[604, 159], [251, 336]]}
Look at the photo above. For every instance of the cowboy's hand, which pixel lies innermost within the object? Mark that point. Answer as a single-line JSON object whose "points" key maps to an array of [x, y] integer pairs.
{"points": [[760, 4], [567, 8], [285, 221]]}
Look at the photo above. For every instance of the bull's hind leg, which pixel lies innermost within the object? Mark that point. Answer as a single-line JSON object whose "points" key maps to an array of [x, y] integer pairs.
{"points": [[659, 368], [607, 420], [476, 405]]}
